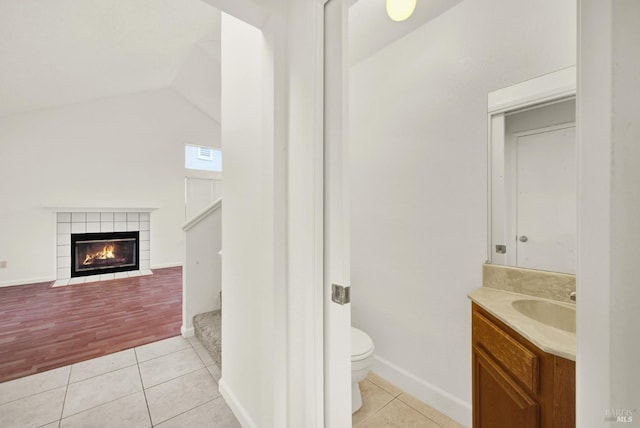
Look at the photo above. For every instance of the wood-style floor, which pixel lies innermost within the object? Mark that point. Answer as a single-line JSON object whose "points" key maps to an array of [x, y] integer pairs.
{"points": [[42, 328]]}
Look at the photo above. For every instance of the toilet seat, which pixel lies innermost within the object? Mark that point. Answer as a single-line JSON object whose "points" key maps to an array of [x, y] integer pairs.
{"points": [[361, 345]]}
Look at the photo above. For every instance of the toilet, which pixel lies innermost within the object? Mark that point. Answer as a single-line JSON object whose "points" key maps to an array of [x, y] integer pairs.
{"points": [[361, 358]]}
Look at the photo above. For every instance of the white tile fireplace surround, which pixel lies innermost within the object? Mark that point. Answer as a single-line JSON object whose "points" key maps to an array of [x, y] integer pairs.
{"points": [[74, 220]]}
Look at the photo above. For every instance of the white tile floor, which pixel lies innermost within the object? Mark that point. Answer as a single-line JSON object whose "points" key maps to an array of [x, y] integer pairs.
{"points": [[170, 383]]}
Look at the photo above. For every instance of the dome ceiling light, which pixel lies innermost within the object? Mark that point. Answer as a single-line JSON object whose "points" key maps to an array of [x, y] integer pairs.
{"points": [[400, 10]]}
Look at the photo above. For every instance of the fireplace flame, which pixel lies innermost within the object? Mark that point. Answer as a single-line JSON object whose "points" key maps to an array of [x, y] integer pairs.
{"points": [[105, 253]]}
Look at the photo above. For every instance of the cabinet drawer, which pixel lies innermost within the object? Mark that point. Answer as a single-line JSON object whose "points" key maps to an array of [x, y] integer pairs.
{"points": [[514, 357]]}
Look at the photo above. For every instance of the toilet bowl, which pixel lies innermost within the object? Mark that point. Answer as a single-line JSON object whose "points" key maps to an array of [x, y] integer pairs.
{"points": [[361, 358]]}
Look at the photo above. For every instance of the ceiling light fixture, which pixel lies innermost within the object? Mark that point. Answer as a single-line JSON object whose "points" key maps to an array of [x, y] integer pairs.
{"points": [[400, 10]]}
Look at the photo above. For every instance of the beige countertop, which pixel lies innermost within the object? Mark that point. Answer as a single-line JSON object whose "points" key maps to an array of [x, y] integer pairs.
{"points": [[549, 339]]}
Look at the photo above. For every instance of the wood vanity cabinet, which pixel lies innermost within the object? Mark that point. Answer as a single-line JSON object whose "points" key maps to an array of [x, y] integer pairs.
{"points": [[515, 384]]}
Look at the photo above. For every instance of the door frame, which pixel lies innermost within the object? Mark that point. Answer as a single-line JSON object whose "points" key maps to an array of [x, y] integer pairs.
{"points": [[293, 109], [337, 317], [292, 102]]}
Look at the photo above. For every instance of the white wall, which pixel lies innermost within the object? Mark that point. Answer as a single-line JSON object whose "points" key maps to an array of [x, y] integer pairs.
{"points": [[247, 233], [419, 168], [275, 283], [607, 367], [124, 151]]}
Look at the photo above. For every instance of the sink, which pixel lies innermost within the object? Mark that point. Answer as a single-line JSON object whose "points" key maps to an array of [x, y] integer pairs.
{"points": [[548, 313]]}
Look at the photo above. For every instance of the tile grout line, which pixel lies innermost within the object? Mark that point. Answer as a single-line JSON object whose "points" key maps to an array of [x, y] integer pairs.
{"points": [[386, 405], [64, 400], [394, 395], [110, 371], [376, 412], [30, 395], [397, 397], [380, 409], [418, 410], [173, 378], [100, 405], [193, 408], [201, 359], [129, 366], [57, 421], [189, 410], [162, 355], [144, 391]]}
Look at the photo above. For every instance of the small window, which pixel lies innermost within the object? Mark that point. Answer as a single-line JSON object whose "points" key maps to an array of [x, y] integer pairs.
{"points": [[202, 158]]}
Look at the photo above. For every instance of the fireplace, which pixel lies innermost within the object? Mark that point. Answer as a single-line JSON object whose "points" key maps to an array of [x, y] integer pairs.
{"points": [[101, 253]]}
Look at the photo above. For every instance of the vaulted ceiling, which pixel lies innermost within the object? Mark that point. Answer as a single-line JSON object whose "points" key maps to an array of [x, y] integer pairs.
{"points": [[371, 30], [57, 52]]}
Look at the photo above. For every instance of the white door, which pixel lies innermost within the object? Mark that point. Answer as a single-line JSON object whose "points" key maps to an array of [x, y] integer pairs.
{"points": [[546, 199], [337, 317]]}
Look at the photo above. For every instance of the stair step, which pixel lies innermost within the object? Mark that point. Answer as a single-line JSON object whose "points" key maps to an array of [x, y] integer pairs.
{"points": [[208, 331]]}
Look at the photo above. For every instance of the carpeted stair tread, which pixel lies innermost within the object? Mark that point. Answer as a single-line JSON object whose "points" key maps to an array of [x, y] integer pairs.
{"points": [[207, 329]]}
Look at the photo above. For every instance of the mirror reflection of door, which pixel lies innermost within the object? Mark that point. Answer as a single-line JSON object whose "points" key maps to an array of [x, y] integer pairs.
{"points": [[545, 210], [540, 187]]}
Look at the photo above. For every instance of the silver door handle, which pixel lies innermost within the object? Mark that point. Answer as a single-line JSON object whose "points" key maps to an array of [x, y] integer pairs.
{"points": [[523, 238], [340, 294]]}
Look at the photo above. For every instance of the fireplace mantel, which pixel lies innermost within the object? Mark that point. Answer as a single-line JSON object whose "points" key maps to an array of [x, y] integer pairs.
{"points": [[93, 209]]}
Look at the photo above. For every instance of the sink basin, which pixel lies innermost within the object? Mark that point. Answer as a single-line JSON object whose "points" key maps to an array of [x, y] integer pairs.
{"points": [[548, 313]]}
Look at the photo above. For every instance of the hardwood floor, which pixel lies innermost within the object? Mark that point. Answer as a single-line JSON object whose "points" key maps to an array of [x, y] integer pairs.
{"points": [[42, 328]]}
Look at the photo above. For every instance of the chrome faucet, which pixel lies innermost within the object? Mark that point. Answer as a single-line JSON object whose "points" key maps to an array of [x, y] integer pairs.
{"points": [[572, 296]]}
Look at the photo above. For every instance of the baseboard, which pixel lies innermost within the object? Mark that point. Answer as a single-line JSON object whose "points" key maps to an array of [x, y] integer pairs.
{"points": [[187, 332], [235, 406], [166, 265], [52, 279], [27, 281], [452, 406]]}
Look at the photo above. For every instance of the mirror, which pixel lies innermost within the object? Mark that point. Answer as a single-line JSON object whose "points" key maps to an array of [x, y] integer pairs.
{"points": [[532, 174]]}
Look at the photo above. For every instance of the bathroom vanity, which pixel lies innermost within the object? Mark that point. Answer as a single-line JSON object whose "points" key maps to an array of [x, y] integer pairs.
{"points": [[515, 383]]}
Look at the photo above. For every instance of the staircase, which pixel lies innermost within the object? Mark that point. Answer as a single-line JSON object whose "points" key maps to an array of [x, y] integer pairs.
{"points": [[207, 330], [201, 282], [202, 266]]}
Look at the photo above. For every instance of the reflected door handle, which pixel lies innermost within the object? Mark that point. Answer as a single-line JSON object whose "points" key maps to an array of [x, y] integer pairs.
{"points": [[523, 238]]}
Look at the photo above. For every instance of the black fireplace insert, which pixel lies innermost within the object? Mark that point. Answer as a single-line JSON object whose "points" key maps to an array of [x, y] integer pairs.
{"points": [[107, 252]]}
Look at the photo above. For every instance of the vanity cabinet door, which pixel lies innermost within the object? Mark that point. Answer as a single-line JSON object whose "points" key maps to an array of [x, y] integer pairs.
{"points": [[498, 400], [515, 384]]}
